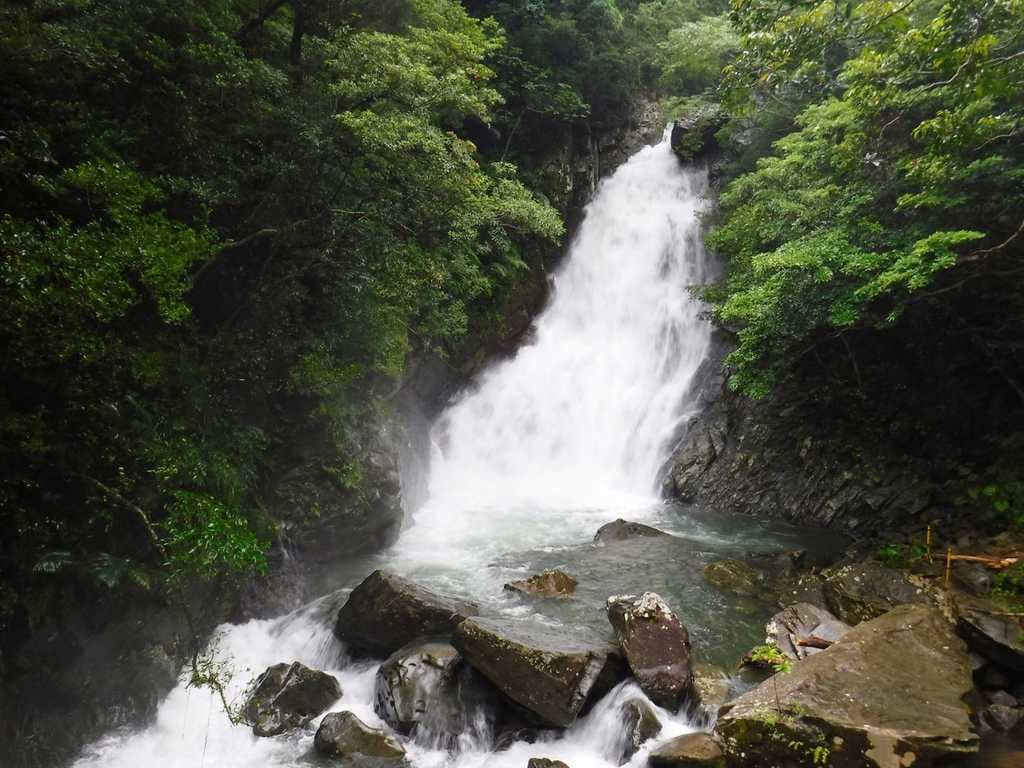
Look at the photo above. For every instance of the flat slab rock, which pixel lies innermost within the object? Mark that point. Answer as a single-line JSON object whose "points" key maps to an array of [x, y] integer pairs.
{"points": [[999, 638], [693, 750], [860, 592], [796, 630], [887, 695], [386, 612], [620, 530], [551, 672], [656, 646]]}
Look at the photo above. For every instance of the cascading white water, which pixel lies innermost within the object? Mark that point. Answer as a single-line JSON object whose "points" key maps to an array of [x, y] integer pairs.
{"points": [[564, 436]]}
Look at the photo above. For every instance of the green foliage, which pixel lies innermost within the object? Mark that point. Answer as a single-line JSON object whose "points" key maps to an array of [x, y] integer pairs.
{"points": [[901, 184], [999, 503], [773, 657], [901, 555]]}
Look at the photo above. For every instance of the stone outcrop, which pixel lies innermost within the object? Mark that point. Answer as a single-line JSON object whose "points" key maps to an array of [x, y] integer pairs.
{"points": [[288, 696], [887, 695], [342, 734], [693, 750], [734, 576], [656, 646], [802, 630], [711, 687], [386, 612], [641, 725], [620, 530], [998, 638], [693, 134], [554, 583], [552, 673], [414, 680], [863, 591]]}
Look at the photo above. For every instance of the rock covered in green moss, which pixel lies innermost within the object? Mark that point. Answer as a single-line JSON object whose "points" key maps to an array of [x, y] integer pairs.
{"points": [[887, 694], [693, 134]]}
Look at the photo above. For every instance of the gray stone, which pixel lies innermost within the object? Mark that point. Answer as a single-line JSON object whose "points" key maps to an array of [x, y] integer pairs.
{"points": [[386, 612], [545, 762], [656, 646], [1001, 717], [619, 530], [413, 680], [860, 592], [734, 576], [554, 583], [694, 750], [888, 694], [711, 686], [288, 696], [797, 629], [1003, 698], [999, 638], [551, 672], [641, 725], [973, 578], [342, 734]]}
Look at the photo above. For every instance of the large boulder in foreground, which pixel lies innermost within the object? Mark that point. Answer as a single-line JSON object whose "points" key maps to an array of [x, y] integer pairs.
{"points": [[288, 696], [342, 734], [386, 612], [621, 530], [888, 694], [802, 630], [656, 646], [862, 591], [413, 681], [551, 672]]}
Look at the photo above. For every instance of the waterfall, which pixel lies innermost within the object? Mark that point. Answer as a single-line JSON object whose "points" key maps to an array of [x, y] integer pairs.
{"points": [[564, 436]]}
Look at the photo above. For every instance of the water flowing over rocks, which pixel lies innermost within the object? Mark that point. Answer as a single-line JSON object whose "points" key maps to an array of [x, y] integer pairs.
{"points": [[888, 694], [554, 583], [548, 671], [656, 646], [641, 725], [342, 734], [288, 696], [386, 612], [413, 680], [711, 687], [545, 762], [620, 530], [694, 750], [802, 630]]}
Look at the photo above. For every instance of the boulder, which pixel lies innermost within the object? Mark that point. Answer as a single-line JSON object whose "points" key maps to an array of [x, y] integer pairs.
{"points": [[802, 630], [641, 725], [342, 734], [656, 646], [711, 686], [888, 694], [386, 612], [550, 672], [860, 592], [693, 750], [1001, 717], [545, 762], [553, 583], [413, 680], [619, 530], [289, 696], [734, 576], [998, 638]]}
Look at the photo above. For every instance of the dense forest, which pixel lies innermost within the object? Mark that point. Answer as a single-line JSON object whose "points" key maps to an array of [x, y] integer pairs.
{"points": [[226, 223]]}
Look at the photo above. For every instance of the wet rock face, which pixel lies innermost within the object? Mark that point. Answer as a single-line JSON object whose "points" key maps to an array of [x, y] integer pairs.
{"points": [[888, 694], [656, 646], [544, 762], [693, 135], [414, 680], [641, 725], [342, 734], [999, 638], [711, 686], [620, 530], [860, 592], [288, 696], [549, 672], [694, 750], [802, 630], [386, 612], [553, 583]]}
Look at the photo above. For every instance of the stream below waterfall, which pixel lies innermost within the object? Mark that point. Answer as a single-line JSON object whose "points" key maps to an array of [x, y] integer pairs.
{"points": [[547, 446]]}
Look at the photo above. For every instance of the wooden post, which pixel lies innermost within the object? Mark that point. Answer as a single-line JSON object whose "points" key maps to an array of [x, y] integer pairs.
{"points": [[928, 542], [949, 565]]}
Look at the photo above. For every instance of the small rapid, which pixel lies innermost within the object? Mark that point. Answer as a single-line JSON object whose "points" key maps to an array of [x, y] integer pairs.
{"points": [[568, 434]]}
